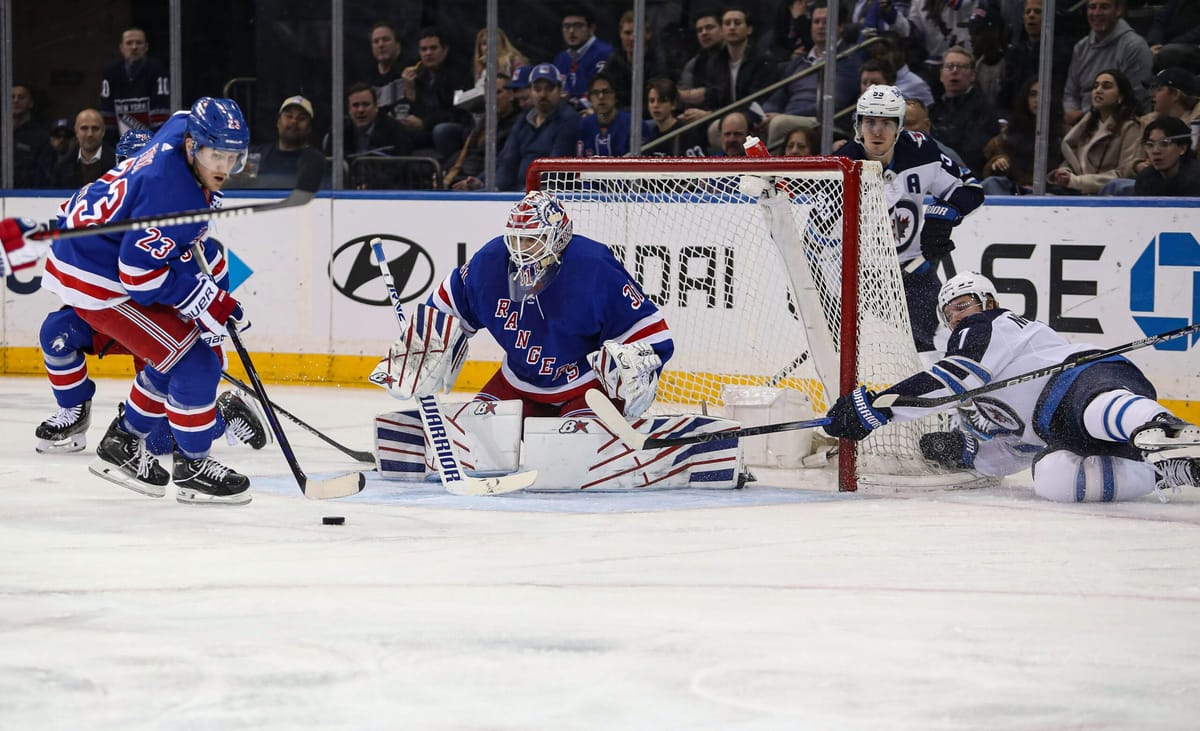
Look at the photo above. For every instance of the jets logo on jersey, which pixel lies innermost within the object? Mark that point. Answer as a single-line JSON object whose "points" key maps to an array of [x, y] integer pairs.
{"points": [[905, 217]]}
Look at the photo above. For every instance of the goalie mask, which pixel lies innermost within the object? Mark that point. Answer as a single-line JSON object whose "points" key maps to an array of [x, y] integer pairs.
{"points": [[972, 283], [881, 101], [536, 234]]}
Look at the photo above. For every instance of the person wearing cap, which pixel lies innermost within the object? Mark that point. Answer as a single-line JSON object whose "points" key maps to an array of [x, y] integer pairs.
{"points": [[548, 129], [1173, 169], [89, 157], [522, 95], [1110, 44], [1174, 92], [279, 161], [986, 29], [584, 56], [62, 134]]}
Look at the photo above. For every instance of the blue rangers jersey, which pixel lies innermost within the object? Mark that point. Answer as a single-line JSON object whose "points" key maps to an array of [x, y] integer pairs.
{"points": [[919, 168], [546, 339], [151, 265]]}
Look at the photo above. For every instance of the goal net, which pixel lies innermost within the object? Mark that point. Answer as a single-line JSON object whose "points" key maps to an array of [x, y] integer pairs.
{"points": [[770, 272]]}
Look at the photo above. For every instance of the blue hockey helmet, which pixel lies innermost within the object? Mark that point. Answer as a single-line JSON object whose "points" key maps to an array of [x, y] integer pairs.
{"points": [[218, 124], [132, 142]]}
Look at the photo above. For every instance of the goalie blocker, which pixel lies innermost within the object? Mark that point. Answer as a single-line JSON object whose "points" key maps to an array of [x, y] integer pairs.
{"points": [[569, 454]]}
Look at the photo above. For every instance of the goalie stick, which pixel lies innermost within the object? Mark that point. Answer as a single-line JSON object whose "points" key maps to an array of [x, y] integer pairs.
{"points": [[891, 399], [608, 413], [308, 179], [341, 486], [454, 478], [352, 453]]}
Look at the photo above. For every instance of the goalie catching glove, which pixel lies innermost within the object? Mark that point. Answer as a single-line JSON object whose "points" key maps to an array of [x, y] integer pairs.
{"points": [[16, 251], [853, 416], [940, 220], [627, 372], [427, 357]]}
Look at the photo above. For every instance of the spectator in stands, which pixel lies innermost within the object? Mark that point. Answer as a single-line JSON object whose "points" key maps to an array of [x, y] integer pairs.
{"points": [[1174, 92], [693, 78], [735, 128], [1009, 166], [583, 57], [792, 34], [1173, 169], [62, 135], [89, 157], [385, 76], [874, 71], [939, 25], [1111, 43], [738, 68], [1021, 58], [1174, 36], [986, 29], [802, 141], [963, 118], [135, 92], [368, 135], [467, 171], [508, 58], [661, 98], [604, 132], [892, 51], [1104, 144], [916, 119], [279, 161], [31, 139], [549, 129], [619, 67], [433, 119], [881, 16], [522, 96]]}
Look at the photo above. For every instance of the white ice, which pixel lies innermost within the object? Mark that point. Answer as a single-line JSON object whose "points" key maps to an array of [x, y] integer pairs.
{"points": [[769, 608]]}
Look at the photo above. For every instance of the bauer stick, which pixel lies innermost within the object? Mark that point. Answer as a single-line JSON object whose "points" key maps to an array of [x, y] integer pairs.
{"points": [[608, 413], [353, 453], [892, 399], [454, 477], [308, 179]]}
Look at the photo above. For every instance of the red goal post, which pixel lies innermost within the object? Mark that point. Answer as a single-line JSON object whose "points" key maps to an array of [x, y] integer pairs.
{"points": [[771, 272]]}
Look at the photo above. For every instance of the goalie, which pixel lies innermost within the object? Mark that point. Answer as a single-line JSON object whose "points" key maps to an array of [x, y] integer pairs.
{"points": [[568, 317]]}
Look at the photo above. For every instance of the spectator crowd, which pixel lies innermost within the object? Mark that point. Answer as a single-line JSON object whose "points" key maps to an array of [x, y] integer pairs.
{"points": [[1125, 111]]}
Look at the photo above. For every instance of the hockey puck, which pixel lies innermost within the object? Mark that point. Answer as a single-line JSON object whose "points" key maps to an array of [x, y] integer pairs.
{"points": [[333, 520]]}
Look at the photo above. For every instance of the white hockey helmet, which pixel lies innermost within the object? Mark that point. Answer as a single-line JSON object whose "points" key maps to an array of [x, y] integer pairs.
{"points": [[965, 283], [879, 100], [536, 233]]}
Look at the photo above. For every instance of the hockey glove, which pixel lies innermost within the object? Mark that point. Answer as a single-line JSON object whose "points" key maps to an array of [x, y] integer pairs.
{"points": [[628, 372], [213, 309], [940, 219], [853, 416], [16, 251], [951, 449], [427, 357]]}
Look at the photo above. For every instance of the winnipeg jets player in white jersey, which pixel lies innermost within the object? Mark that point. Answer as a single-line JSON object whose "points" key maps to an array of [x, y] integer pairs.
{"points": [[913, 167], [1088, 431]]}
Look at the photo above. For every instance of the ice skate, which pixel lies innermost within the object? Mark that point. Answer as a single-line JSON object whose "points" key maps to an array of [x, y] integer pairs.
{"points": [[1176, 473], [207, 481], [125, 460], [1165, 437], [242, 424], [66, 431]]}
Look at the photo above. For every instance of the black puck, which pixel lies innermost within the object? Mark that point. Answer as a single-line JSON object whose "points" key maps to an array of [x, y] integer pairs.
{"points": [[333, 520]]}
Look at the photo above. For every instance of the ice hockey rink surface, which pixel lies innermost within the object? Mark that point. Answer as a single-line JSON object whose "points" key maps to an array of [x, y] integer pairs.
{"points": [[782, 606]]}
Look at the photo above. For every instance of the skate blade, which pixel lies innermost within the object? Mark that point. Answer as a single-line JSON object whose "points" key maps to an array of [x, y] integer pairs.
{"points": [[66, 446], [188, 496], [114, 474], [1159, 446]]}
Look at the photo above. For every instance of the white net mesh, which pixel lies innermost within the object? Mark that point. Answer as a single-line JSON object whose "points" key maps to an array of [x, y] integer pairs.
{"points": [[750, 284]]}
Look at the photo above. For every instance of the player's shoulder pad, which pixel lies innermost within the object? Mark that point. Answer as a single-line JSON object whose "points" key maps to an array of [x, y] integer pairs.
{"points": [[914, 149]]}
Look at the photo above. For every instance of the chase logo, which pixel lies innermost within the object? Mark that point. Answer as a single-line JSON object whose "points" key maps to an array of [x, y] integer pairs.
{"points": [[354, 273], [1170, 264]]}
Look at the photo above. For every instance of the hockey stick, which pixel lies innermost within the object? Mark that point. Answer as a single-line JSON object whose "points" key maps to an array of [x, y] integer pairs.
{"points": [[454, 477], [342, 486], [308, 179], [353, 453], [608, 413], [784, 372], [892, 399]]}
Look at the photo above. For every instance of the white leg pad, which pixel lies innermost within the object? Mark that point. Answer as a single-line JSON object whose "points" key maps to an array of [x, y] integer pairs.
{"points": [[485, 435], [1066, 477], [575, 454], [758, 405]]}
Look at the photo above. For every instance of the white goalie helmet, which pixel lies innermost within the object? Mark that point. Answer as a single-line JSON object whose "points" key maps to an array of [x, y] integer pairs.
{"points": [[879, 100], [536, 234], [966, 283]]}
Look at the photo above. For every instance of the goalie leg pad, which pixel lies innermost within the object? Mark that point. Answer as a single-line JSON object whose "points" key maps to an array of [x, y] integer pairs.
{"points": [[486, 436], [581, 454], [400, 446], [1065, 477]]}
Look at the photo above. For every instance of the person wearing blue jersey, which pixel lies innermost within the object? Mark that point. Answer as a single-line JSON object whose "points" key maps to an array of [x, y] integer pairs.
{"points": [[143, 289], [584, 56], [567, 314], [913, 167], [604, 132]]}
